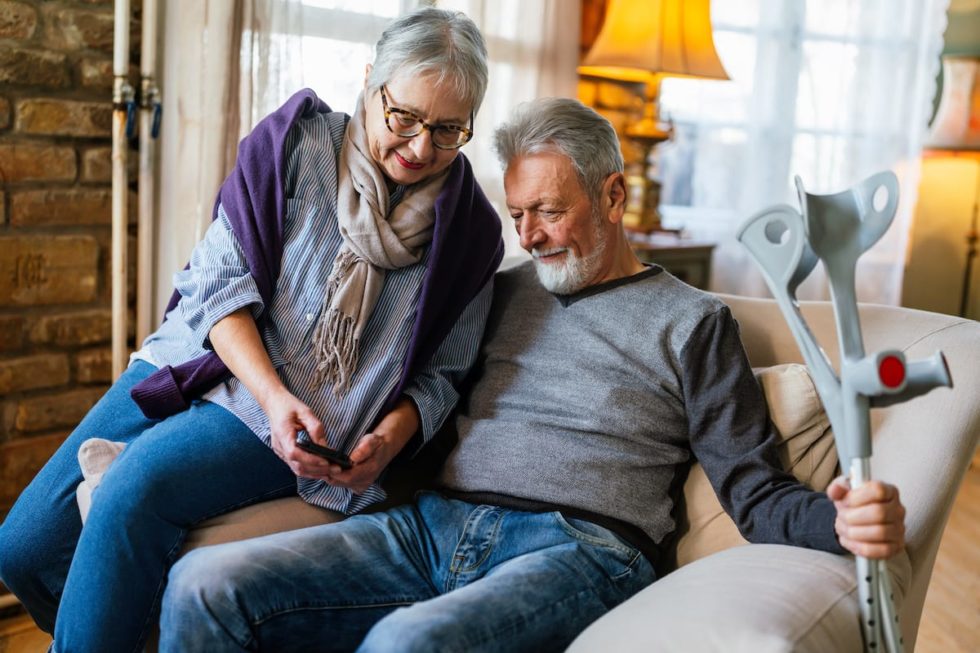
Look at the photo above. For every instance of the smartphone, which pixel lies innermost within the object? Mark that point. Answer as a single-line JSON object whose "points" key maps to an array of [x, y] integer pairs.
{"points": [[304, 442]]}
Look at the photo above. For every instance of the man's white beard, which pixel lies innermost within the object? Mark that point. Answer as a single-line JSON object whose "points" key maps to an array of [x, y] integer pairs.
{"points": [[572, 273]]}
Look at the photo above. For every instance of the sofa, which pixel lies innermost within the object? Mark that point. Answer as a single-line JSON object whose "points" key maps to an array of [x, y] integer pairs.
{"points": [[721, 593]]}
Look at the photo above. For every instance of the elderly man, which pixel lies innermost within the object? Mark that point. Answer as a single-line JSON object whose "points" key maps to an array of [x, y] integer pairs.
{"points": [[597, 382]]}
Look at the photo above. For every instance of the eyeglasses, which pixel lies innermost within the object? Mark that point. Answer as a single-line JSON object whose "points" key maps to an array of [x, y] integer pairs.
{"points": [[406, 124]]}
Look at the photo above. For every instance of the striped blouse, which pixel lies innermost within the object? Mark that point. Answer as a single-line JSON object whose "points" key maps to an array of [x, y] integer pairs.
{"points": [[218, 282]]}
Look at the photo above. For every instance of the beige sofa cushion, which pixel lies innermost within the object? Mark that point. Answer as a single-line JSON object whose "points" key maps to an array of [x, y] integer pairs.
{"points": [[286, 514], [763, 598], [806, 449]]}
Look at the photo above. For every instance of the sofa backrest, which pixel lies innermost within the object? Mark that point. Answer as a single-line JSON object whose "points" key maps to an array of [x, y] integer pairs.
{"points": [[923, 446]]}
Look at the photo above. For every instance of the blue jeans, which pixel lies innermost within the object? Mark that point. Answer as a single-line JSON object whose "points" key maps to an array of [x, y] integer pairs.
{"points": [[98, 588], [439, 575]]}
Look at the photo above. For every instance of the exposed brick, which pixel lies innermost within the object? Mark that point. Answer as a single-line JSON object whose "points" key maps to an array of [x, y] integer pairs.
{"points": [[30, 162], [11, 333], [73, 329], [77, 29], [8, 413], [33, 372], [64, 117], [96, 73], [69, 206], [20, 461], [65, 409], [33, 68], [94, 365], [37, 270], [97, 164], [17, 20], [4, 113]]}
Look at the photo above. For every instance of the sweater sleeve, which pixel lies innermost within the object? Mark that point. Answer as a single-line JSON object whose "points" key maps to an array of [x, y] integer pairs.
{"points": [[435, 389], [734, 441]]}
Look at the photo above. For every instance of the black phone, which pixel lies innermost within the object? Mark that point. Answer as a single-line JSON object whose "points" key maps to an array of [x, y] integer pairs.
{"points": [[304, 442]]}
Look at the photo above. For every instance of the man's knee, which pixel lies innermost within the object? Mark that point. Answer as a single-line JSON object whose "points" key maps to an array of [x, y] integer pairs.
{"points": [[203, 578], [415, 629]]}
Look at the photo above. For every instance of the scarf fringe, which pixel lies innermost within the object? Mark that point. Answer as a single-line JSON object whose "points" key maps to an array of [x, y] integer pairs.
{"points": [[335, 340], [374, 242], [336, 345]]}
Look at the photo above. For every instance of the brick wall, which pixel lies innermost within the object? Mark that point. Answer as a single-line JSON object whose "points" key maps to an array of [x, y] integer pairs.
{"points": [[55, 233]]}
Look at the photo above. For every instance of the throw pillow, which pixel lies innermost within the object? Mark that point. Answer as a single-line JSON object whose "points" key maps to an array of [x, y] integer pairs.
{"points": [[806, 450]]}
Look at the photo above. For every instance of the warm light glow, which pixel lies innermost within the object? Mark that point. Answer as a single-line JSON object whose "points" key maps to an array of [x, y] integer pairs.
{"points": [[641, 38]]}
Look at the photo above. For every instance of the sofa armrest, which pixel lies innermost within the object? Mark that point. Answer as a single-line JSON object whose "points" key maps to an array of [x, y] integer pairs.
{"points": [[754, 598]]}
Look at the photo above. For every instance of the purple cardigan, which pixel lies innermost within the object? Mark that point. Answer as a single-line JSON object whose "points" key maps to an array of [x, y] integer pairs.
{"points": [[465, 252]]}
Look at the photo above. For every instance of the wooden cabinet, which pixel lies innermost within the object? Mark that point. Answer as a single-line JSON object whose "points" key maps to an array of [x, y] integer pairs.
{"points": [[688, 260]]}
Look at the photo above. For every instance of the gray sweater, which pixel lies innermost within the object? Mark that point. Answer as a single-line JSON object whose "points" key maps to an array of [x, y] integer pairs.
{"points": [[599, 401]]}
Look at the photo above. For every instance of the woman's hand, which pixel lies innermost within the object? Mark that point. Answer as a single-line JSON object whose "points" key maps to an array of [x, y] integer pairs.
{"points": [[370, 457], [287, 415], [236, 340], [870, 519]]}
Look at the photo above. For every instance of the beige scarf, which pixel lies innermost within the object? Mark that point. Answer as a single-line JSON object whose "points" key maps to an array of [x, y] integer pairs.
{"points": [[374, 241]]}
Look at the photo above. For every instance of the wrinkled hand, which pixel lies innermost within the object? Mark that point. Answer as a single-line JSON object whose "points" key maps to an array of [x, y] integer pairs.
{"points": [[287, 415], [870, 519], [371, 455]]}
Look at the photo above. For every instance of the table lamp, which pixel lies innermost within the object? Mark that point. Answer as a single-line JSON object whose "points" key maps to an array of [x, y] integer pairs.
{"points": [[956, 128], [645, 41]]}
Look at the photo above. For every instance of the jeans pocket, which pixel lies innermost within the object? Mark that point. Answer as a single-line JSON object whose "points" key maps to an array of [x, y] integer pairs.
{"points": [[616, 556]]}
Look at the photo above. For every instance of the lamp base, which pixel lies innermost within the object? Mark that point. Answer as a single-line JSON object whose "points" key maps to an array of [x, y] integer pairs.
{"points": [[643, 191]]}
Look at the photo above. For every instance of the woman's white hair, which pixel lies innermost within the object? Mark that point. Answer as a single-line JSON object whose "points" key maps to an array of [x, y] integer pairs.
{"points": [[430, 40]]}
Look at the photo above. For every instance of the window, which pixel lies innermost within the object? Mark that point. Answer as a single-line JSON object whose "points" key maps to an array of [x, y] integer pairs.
{"points": [[832, 91]]}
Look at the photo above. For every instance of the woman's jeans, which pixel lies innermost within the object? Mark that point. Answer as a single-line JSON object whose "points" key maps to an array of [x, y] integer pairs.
{"points": [[439, 575], [98, 588]]}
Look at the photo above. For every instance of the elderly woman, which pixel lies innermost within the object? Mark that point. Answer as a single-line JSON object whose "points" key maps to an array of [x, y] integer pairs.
{"points": [[341, 291]]}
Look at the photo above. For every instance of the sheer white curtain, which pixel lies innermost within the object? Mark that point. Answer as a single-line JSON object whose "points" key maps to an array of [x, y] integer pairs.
{"points": [[197, 140], [229, 63], [832, 91]]}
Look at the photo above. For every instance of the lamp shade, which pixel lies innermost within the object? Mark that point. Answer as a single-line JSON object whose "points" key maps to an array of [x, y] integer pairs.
{"points": [[644, 37], [957, 122]]}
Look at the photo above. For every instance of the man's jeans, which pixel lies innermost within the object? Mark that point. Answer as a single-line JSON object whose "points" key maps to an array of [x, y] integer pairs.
{"points": [[440, 575], [104, 581]]}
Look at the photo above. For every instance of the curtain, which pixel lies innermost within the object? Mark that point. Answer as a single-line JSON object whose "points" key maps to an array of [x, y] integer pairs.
{"points": [[832, 91], [227, 64], [197, 141]]}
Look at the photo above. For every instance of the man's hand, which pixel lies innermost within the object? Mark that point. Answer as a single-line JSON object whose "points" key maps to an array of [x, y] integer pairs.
{"points": [[870, 520]]}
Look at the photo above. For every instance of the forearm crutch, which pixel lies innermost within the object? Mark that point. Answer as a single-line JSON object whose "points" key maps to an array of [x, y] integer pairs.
{"points": [[837, 229]]}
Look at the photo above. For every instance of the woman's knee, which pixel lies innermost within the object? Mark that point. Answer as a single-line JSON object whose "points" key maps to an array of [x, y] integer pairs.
{"points": [[23, 557]]}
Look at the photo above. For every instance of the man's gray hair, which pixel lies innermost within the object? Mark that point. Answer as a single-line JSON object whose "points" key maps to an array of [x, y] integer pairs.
{"points": [[430, 40], [566, 127]]}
